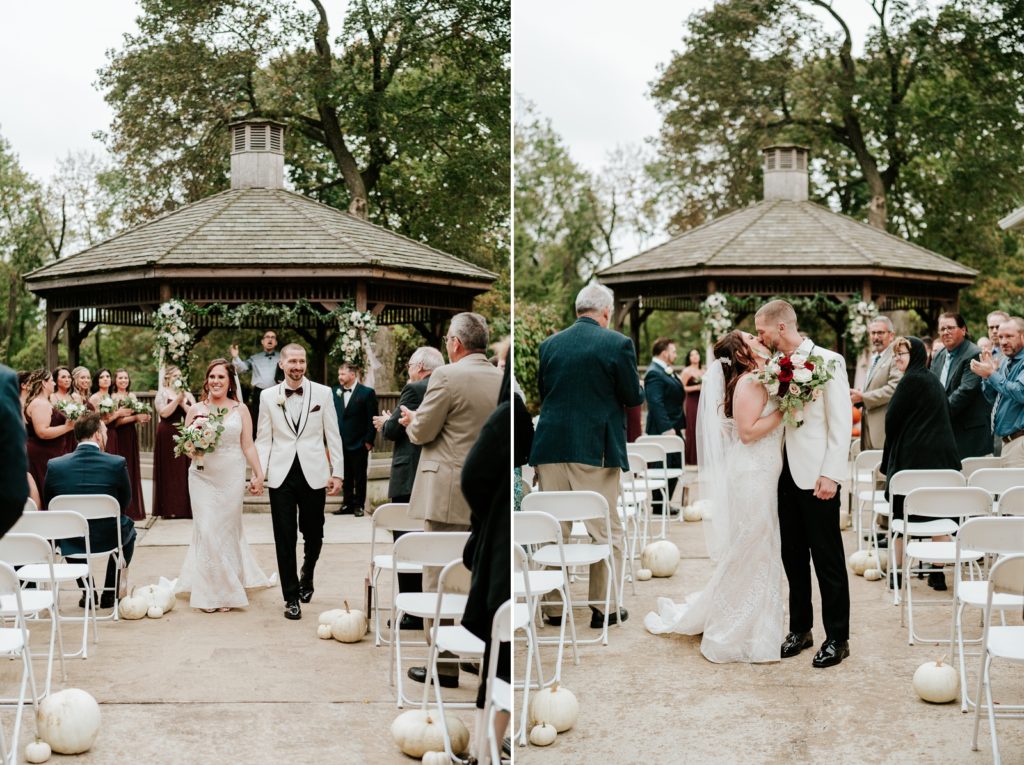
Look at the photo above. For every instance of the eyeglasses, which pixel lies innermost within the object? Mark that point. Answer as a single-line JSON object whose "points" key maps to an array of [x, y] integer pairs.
{"points": [[902, 353], [946, 330]]}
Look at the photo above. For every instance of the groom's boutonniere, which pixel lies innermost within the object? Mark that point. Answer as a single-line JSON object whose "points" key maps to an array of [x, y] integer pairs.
{"points": [[280, 399], [795, 380], [339, 393]]}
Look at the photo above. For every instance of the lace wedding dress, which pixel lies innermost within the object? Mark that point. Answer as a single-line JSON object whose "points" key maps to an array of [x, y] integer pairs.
{"points": [[219, 566], [740, 612]]}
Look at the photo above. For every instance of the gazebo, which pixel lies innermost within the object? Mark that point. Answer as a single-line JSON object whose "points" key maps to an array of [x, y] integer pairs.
{"points": [[255, 242], [785, 245]]}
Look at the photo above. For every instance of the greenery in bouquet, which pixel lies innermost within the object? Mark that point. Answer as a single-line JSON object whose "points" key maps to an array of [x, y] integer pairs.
{"points": [[199, 437], [795, 380], [107, 405], [71, 410], [139, 407]]}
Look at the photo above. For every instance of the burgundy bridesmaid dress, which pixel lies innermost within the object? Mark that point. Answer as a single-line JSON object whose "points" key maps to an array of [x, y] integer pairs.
{"points": [[170, 473], [690, 409], [42, 450], [126, 444]]}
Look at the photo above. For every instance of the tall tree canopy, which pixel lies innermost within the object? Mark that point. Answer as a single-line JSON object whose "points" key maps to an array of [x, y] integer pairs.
{"points": [[403, 117]]}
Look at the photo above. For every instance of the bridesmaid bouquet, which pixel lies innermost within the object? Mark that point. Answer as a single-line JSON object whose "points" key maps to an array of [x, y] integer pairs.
{"points": [[795, 380], [138, 407], [71, 409], [200, 437], [106, 405]]}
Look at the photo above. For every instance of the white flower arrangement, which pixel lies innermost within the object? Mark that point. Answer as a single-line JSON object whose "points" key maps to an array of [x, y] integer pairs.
{"points": [[174, 338], [859, 315], [717, 318], [355, 328]]}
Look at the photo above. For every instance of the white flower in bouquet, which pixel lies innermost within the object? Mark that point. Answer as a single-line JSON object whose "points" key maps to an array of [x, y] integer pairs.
{"points": [[177, 385], [802, 374], [106, 405], [795, 380]]}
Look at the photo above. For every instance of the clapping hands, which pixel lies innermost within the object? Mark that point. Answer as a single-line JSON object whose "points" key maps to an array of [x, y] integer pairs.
{"points": [[408, 415], [380, 419], [984, 366]]}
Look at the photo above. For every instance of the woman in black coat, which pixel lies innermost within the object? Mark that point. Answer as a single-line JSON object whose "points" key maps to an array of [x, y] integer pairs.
{"points": [[918, 431]]}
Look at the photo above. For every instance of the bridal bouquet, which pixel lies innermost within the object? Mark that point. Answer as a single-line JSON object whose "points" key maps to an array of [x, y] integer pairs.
{"points": [[795, 380], [72, 410], [200, 437]]}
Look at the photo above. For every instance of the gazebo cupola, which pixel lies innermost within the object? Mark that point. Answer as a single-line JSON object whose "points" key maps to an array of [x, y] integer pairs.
{"points": [[257, 154], [785, 173]]}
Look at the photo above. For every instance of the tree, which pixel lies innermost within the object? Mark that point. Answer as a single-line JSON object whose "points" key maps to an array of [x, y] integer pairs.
{"points": [[402, 118]]}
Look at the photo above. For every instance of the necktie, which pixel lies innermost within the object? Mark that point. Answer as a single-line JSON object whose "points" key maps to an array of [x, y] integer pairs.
{"points": [[945, 369], [874, 363], [289, 392]]}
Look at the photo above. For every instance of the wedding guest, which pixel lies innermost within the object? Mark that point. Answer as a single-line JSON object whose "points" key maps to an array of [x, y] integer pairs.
{"points": [[47, 427], [879, 384], [14, 475], [170, 473], [459, 399], [587, 375], [88, 470], [934, 347], [1003, 386], [918, 429], [265, 368], [691, 376], [664, 393], [102, 390], [127, 444], [355, 405], [985, 345], [23, 386], [993, 321], [969, 412], [81, 384], [62, 393]]}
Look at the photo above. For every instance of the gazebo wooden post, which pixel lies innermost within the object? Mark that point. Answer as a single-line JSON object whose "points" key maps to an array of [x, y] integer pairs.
{"points": [[52, 338], [634, 327], [322, 352], [73, 335]]}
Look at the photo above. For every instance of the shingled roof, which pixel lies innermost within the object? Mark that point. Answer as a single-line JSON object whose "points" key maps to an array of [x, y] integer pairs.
{"points": [[264, 230], [783, 235]]}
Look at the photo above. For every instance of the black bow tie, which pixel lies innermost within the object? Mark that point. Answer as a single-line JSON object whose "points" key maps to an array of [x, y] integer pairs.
{"points": [[270, 355], [289, 392], [347, 390]]}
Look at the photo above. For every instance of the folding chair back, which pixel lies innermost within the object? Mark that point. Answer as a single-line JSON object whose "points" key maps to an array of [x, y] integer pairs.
{"points": [[92, 507], [959, 501], [22, 549], [533, 527], [1012, 502], [1006, 577], [997, 480], [30, 506], [672, 444], [430, 548], [1000, 536], [971, 464], [53, 524], [906, 481], [865, 462], [394, 516], [568, 505]]}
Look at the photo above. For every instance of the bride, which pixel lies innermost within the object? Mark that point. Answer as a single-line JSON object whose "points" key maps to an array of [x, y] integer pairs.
{"points": [[219, 566], [740, 612]]}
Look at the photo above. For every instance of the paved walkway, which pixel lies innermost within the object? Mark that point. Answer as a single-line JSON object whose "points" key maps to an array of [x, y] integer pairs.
{"points": [[656, 701]]}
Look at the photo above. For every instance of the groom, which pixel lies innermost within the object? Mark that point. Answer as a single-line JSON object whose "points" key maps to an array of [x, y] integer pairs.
{"points": [[297, 419], [814, 460]]}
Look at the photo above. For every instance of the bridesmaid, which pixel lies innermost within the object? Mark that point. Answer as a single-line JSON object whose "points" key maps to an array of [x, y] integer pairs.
{"points": [[691, 378], [81, 384], [170, 473], [102, 390], [127, 444], [63, 392], [47, 428]]}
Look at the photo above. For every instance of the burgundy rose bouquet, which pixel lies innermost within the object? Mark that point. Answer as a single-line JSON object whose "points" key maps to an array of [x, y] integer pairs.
{"points": [[795, 380]]}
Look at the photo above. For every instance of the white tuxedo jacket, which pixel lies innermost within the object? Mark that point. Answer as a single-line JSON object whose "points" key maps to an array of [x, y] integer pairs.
{"points": [[821, 446], [315, 439]]}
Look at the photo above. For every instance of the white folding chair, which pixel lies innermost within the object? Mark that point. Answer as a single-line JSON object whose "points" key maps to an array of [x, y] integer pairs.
{"points": [[567, 507], [998, 642], [14, 644], [970, 464], [1011, 502], [96, 507], [961, 502], [634, 509], [997, 481], [524, 614], [54, 525], [654, 452], [30, 506], [992, 536], [26, 550], [904, 482], [424, 548], [391, 517], [499, 693], [865, 494], [672, 444]]}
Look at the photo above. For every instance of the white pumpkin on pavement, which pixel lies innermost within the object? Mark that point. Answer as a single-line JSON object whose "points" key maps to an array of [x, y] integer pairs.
{"points": [[155, 612], [661, 557], [323, 631], [556, 706], [692, 512], [872, 574], [132, 607], [416, 733], [937, 682], [643, 574], [349, 626], [69, 721], [156, 595], [543, 734], [858, 562], [37, 751], [328, 617], [436, 758]]}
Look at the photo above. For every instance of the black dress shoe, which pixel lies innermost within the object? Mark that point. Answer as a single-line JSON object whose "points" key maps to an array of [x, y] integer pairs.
{"points": [[81, 600], [831, 653], [410, 623], [672, 512], [305, 591], [555, 620], [419, 674], [106, 600], [292, 610], [358, 512], [597, 618], [899, 580], [341, 511], [937, 581], [795, 642], [470, 667]]}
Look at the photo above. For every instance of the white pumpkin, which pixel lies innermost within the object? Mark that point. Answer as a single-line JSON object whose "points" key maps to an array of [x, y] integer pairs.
{"points": [[436, 758], [132, 607], [936, 682], [872, 574], [643, 574], [883, 560], [858, 562], [416, 733], [69, 721], [37, 751], [328, 617], [543, 734], [161, 597], [692, 513], [661, 557], [556, 706], [155, 612], [350, 626], [323, 631]]}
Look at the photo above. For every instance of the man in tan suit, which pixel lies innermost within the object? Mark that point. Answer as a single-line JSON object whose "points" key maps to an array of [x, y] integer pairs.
{"points": [[460, 397], [879, 384]]}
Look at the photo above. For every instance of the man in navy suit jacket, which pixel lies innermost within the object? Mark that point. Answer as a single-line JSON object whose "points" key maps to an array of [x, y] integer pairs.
{"points": [[664, 393], [13, 458], [356, 405], [90, 470]]}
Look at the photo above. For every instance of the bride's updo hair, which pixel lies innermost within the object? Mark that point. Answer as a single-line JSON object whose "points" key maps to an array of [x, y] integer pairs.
{"points": [[737, 359], [232, 392]]}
